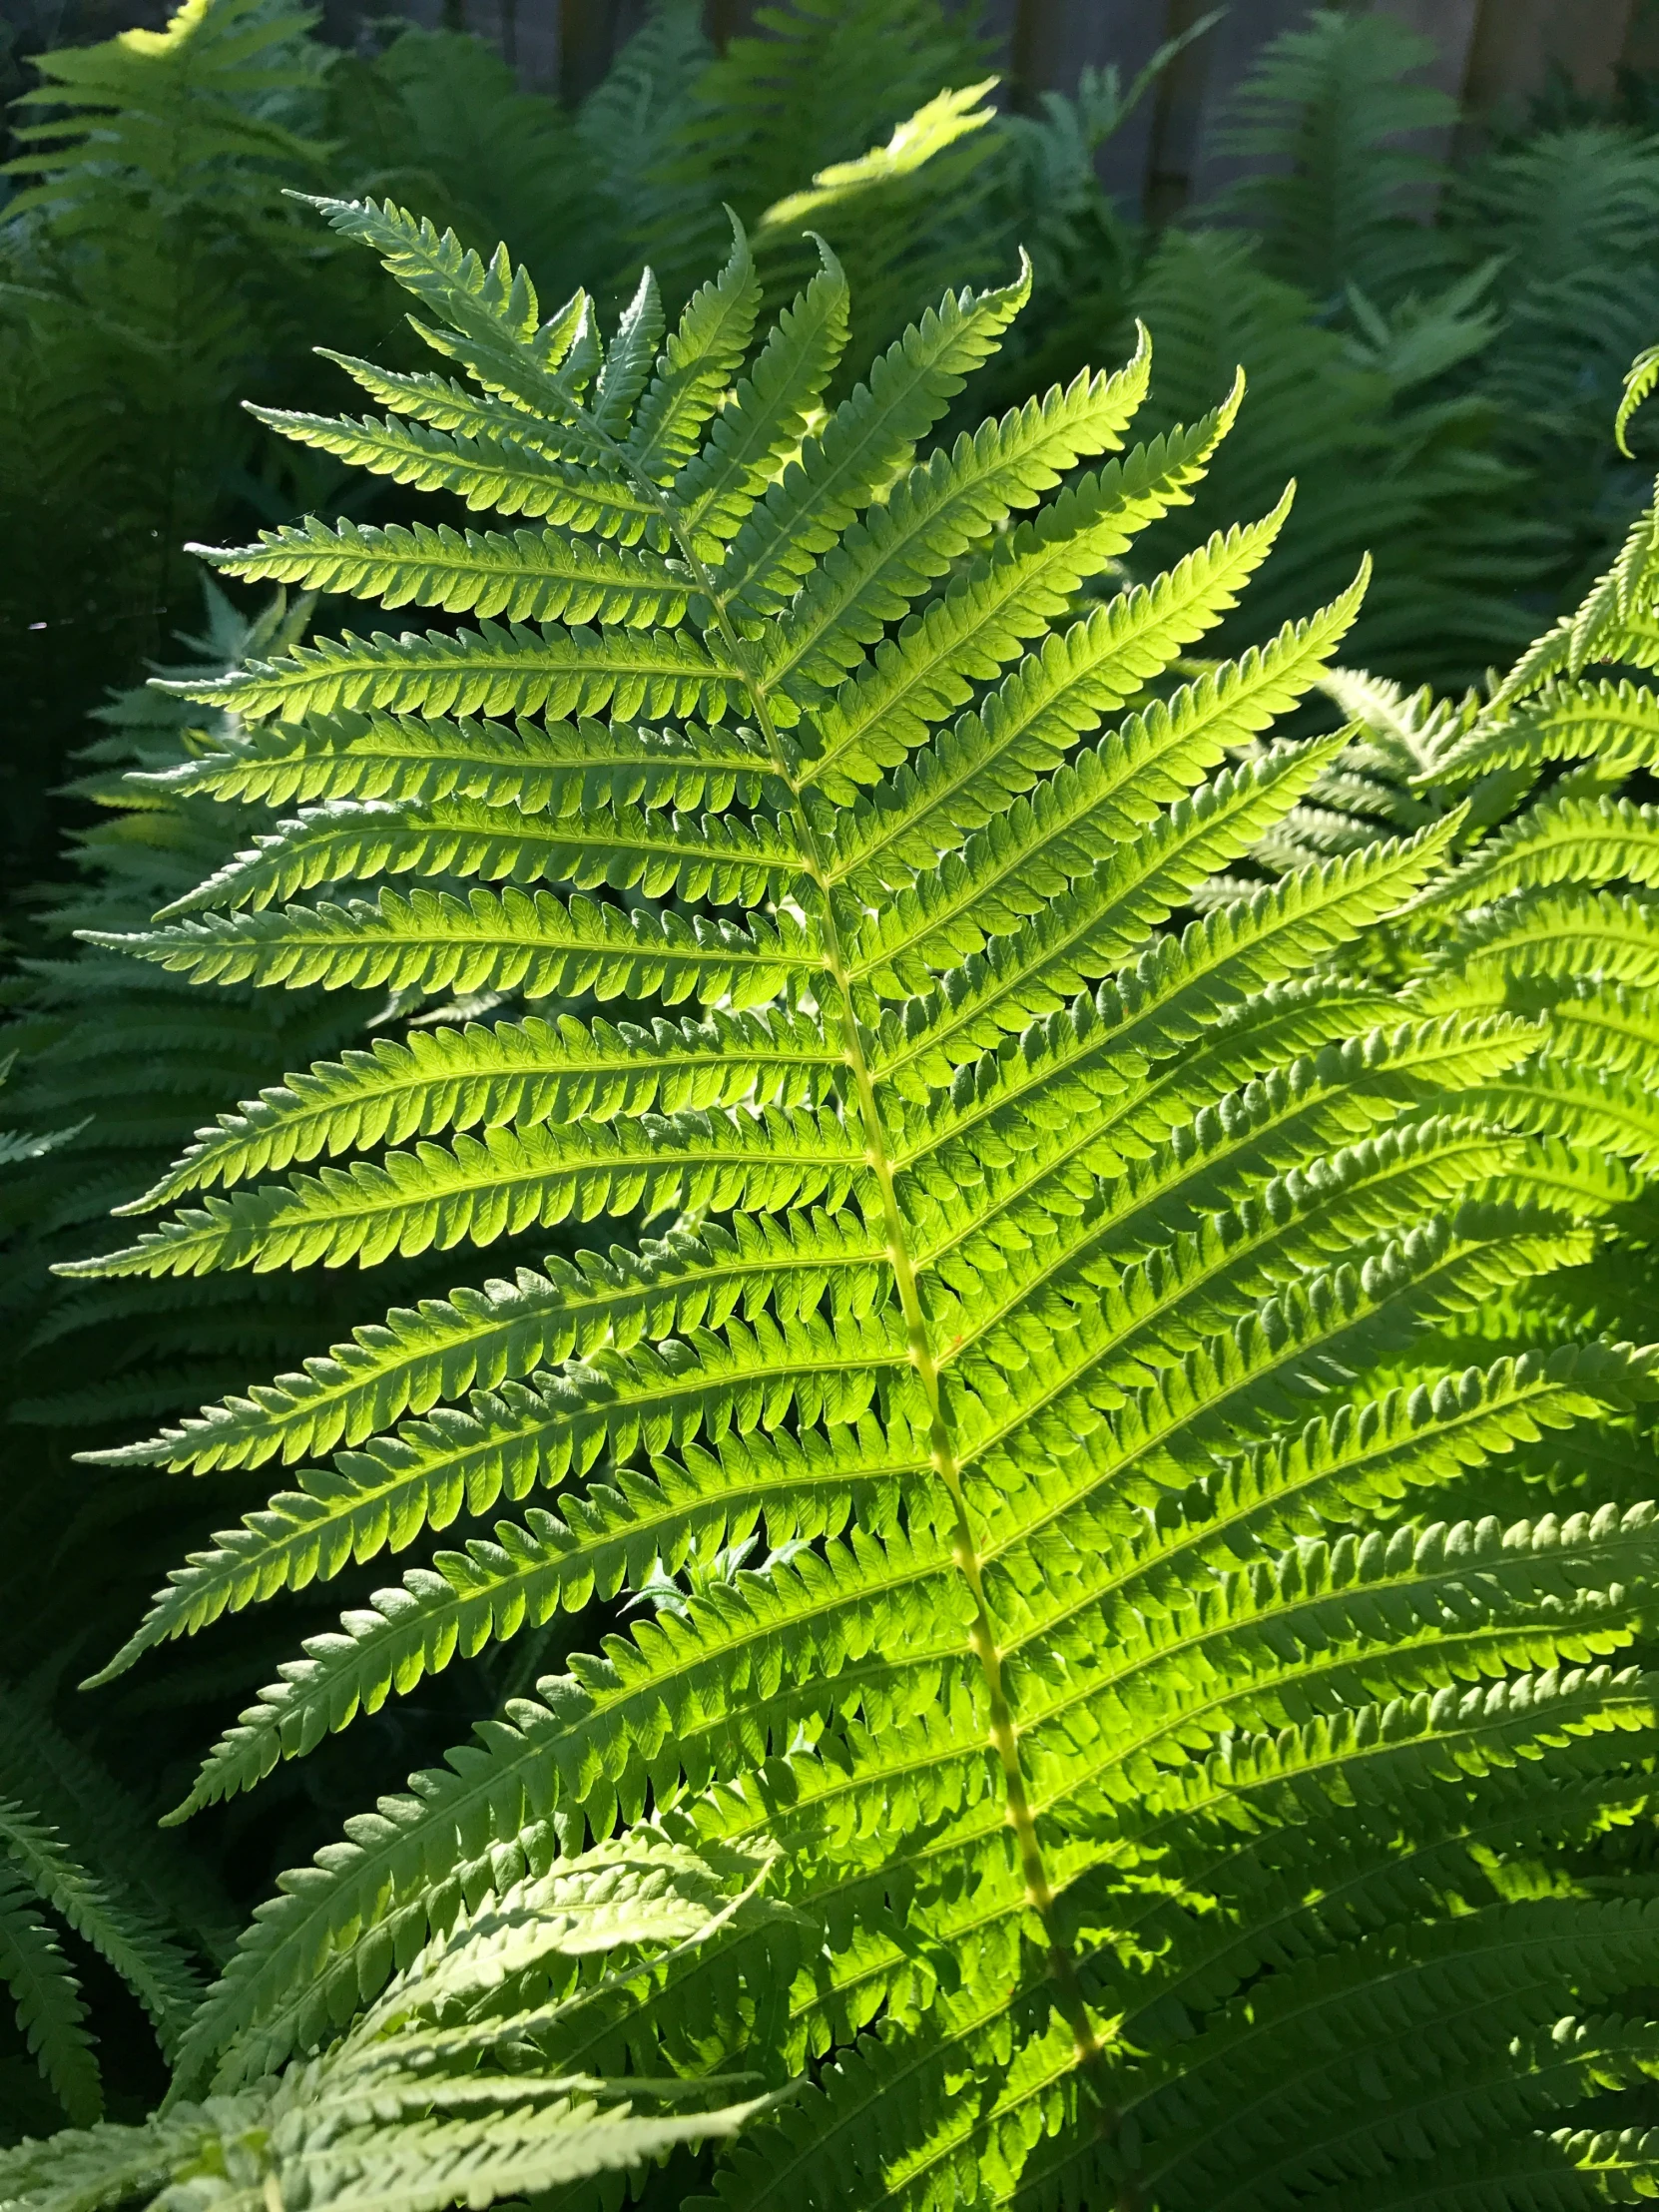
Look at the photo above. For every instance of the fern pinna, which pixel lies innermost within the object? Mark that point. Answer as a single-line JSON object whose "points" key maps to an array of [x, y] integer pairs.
{"points": [[1152, 1786]]}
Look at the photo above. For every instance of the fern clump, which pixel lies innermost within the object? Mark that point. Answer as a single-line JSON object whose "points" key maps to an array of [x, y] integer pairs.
{"points": [[1135, 1731]]}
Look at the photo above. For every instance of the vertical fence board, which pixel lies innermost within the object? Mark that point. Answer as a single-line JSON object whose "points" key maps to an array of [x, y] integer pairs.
{"points": [[1641, 42], [1451, 25], [1177, 110], [1124, 34], [1234, 47], [1517, 42]]}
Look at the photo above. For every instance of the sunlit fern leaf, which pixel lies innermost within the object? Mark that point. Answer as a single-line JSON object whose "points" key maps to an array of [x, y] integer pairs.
{"points": [[525, 1073], [695, 856], [1058, 1282], [428, 2101], [776, 109], [528, 577], [528, 767], [1603, 720], [1614, 622], [432, 941]]}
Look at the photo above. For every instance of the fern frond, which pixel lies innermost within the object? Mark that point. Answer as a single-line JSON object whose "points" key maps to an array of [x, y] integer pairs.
{"points": [[1132, 1701], [696, 366], [1640, 379], [513, 476], [491, 1591], [751, 439], [1034, 850], [516, 1439], [50, 2013], [967, 773], [100, 2163], [493, 670], [1560, 939], [1575, 840], [1009, 595], [698, 858], [941, 509], [1601, 1111], [481, 1189], [147, 1960], [382, 2120], [535, 769], [481, 1337], [1276, 934], [867, 439], [1610, 723]]}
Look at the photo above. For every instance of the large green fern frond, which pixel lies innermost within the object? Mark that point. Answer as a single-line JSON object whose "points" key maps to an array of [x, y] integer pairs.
{"points": [[1058, 1268]]}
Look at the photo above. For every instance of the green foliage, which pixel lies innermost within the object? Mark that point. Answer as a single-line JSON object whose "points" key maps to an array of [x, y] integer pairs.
{"points": [[1377, 466], [117, 1076], [1165, 1772], [147, 264], [1546, 908], [82, 1854], [427, 2102], [152, 275], [1464, 370], [1328, 106], [1519, 306], [120, 1071], [1100, 1463]]}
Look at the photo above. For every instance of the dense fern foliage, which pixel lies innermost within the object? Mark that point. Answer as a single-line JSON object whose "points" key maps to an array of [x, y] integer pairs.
{"points": [[1147, 1762], [115, 1074], [1463, 367], [1545, 907], [1007, 1293], [118, 1070], [1515, 308], [154, 277], [116, 1077], [148, 263]]}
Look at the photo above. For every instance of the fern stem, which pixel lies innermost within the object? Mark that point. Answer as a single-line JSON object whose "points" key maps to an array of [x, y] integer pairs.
{"points": [[1003, 1731]]}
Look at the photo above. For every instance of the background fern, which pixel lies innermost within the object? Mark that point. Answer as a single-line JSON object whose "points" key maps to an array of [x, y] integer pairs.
{"points": [[1523, 302]]}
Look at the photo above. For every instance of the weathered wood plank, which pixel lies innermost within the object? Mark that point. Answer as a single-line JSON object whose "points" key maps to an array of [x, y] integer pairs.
{"points": [[1516, 42], [1234, 46]]}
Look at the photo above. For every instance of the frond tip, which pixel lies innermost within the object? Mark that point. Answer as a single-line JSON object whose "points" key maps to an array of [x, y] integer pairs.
{"points": [[1640, 379]]}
